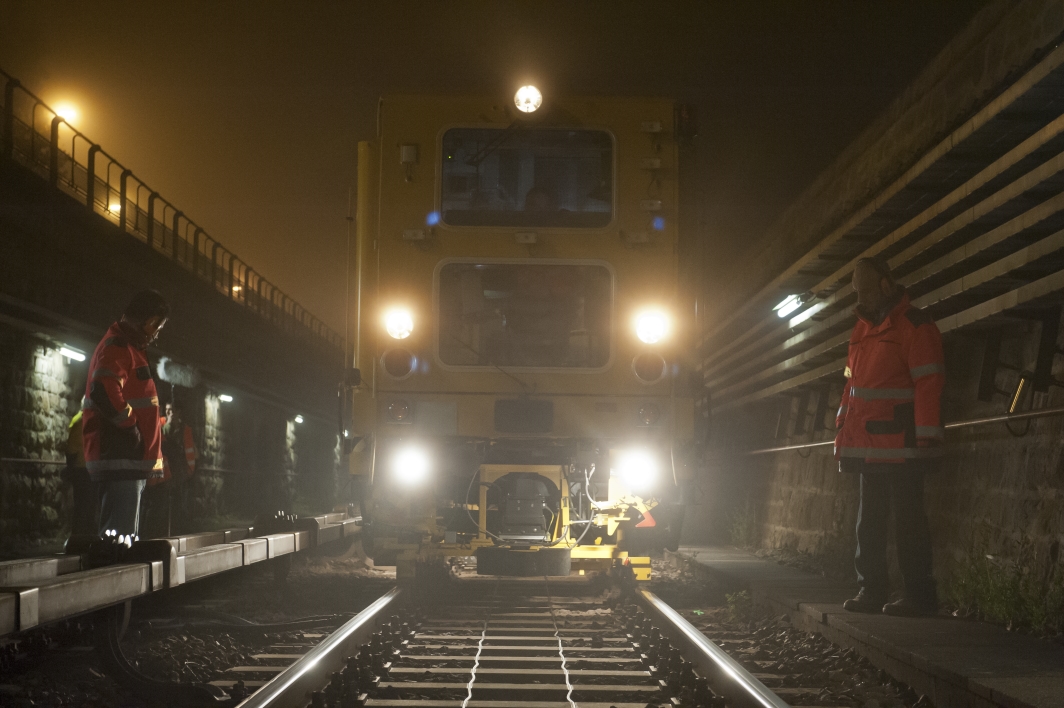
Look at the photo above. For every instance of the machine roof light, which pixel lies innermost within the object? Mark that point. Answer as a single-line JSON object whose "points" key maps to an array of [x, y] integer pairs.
{"points": [[225, 398], [528, 99], [299, 419]]}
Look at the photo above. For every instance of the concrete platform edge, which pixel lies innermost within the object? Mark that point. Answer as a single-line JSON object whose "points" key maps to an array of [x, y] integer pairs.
{"points": [[944, 687]]}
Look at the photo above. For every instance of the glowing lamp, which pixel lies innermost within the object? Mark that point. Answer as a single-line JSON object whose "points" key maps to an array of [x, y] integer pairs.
{"points": [[67, 112], [637, 468], [528, 99], [410, 465], [72, 354], [651, 326], [399, 323]]}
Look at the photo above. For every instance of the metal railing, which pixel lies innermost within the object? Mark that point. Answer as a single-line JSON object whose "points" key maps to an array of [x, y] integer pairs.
{"points": [[1003, 418], [34, 136]]}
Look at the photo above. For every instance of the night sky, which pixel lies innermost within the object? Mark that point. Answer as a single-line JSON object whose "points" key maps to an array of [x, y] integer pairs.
{"points": [[246, 115]]}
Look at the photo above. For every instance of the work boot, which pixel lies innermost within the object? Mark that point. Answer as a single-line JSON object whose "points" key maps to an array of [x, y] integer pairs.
{"points": [[911, 606], [866, 601]]}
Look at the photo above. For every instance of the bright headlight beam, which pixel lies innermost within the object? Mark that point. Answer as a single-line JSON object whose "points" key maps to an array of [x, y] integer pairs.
{"points": [[637, 468], [651, 326], [410, 465], [399, 323]]}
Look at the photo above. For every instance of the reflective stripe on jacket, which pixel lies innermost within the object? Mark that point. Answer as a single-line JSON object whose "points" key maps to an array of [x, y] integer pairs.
{"points": [[891, 403], [120, 395]]}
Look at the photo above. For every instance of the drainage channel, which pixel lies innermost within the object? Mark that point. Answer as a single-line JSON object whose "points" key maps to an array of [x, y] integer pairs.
{"points": [[525, 643]]}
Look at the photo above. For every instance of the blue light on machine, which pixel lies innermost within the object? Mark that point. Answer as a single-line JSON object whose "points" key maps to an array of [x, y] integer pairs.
{"points": [[658, 223], [433, 218]]}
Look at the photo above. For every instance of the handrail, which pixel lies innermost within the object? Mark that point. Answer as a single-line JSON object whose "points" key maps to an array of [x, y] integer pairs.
{"points": [[64, 172], [1003, 418]]}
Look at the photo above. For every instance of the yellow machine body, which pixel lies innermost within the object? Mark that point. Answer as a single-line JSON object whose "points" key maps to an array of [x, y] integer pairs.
{"points": [[434, 390]]}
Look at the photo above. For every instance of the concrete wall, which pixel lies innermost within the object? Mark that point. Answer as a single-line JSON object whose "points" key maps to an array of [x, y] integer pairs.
{"points": [[994, 493], [1003, 39]]}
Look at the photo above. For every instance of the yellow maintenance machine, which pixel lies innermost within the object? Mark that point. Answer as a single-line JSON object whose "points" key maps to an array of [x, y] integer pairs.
{"points": [[520, 334]]}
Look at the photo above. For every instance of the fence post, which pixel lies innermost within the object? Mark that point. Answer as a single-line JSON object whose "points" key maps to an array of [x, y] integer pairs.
{"points": [[9, 118], [151, 221], [90, 187], [195, 250], [122, 195], [53, 152], [214, 264]]}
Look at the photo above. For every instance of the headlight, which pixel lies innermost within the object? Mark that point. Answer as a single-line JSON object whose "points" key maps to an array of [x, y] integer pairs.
{"points": [[651, 326], [638, 469], [410, 465], [399, 323]]}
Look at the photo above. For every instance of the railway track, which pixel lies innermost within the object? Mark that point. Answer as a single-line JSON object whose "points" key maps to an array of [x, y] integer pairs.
{"points": [[507, 643]]}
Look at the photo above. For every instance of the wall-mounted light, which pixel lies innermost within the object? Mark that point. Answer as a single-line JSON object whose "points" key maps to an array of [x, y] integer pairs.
{"points": [[114, 207], [299, 419], [788, 305], [71, 353], [225, 398]]}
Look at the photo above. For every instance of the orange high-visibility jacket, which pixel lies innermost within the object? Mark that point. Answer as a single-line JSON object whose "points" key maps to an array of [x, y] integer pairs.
{"points": [[119, 396], [189, 446], [891, 403]]}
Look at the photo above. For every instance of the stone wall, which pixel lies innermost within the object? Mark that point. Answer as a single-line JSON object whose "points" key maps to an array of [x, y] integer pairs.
{"points": [[39, 392], [253, 457]]}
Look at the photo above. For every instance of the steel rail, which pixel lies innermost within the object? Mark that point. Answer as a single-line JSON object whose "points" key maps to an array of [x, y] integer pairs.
{"points": [[1003, 418], [715, 664], [290, 688]]}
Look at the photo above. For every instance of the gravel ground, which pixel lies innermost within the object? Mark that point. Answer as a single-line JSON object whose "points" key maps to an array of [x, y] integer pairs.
{"points": [[805, 669], [57, 666]]}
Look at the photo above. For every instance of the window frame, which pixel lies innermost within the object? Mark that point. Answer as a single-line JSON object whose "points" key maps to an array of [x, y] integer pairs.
{"points": [[437, 198]]}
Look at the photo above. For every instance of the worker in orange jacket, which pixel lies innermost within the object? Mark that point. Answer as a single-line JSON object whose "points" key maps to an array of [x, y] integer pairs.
{"points": [[179, 464], [889, 429], [120, 415]]}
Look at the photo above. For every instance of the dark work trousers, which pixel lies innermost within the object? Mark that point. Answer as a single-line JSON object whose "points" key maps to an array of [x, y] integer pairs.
{"points": [[86, 518], [900, 486], [120, 506]]}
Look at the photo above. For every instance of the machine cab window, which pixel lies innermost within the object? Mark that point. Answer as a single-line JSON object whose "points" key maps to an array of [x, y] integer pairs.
{"points": [[527, 176], [527, 315]]}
